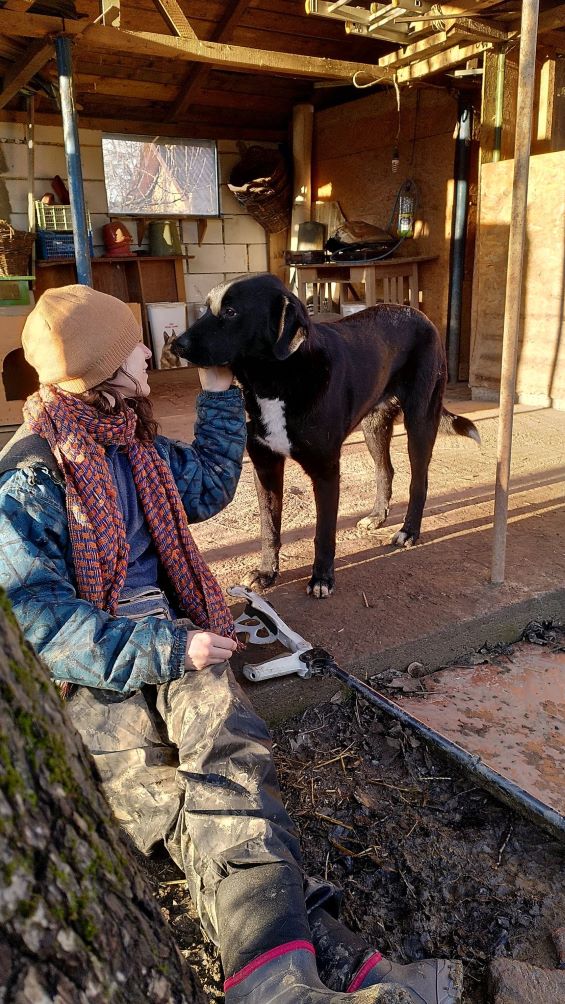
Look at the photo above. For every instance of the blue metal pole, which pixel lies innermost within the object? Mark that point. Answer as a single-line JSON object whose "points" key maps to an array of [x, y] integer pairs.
{"points": [[74, 166]]}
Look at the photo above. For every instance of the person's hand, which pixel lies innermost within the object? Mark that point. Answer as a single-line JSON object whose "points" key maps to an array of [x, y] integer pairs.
{"points": [[215, 377], [204, 648]]}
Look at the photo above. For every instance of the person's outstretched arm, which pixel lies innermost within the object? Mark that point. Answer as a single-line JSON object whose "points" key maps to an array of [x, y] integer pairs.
{"points": [[208, 470]]}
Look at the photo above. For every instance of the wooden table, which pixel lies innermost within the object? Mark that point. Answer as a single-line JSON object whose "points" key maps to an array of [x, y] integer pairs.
{"points": [[384, 281]]}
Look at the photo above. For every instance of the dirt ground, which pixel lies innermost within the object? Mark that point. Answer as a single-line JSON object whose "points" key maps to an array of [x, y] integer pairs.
{"points": [[429, 864]]}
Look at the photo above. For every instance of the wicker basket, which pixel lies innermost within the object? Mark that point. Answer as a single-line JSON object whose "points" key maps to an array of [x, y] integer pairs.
{"points": [[260, 182], [15, 249]]}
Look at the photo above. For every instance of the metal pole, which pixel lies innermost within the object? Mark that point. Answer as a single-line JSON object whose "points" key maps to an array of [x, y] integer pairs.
{"points": [[526, 73], [458, 234], [74, 166]]}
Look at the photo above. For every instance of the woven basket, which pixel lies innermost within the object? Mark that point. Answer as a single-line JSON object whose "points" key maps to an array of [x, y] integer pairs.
{"points": [[15, 249], [260, 183]]}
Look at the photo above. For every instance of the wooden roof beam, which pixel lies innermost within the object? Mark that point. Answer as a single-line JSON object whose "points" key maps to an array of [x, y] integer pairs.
{"points": [[156, 127], [39, 52], [423, 49], [548, 19], [175, 18], [31, 62], [192, 84], [468, 25], [149, 44], [37, 25], [440, 62]]}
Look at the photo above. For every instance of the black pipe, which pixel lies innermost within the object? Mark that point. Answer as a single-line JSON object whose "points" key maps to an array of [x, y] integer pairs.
{"points": [[72, 155], [319, 661], [458, 234]]}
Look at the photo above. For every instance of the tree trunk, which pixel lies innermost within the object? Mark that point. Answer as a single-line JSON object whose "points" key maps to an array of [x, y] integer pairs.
{"points": [[78, 922]]}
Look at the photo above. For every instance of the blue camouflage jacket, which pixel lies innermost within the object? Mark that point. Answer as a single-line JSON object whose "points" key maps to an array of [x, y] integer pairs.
{"points": [[78, 642]]}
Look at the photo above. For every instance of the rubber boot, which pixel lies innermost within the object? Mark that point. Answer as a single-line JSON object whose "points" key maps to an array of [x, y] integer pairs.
{"points": [[346, 962], [430, 981], [288, 975]]}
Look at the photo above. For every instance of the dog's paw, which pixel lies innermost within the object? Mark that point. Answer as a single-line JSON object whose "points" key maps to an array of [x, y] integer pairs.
{"points": [[404, 539], [320, 587], [371, 522], [257, 580]]}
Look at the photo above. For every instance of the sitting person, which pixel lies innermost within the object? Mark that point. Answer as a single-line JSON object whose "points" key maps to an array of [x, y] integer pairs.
{"points": [[110, 589]]}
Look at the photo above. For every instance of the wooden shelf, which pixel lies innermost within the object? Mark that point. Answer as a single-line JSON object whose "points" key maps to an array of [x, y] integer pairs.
{"points": [[140, 279]]}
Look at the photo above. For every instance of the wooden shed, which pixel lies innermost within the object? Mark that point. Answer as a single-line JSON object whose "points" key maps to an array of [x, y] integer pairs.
{"points": [[359, 98]]}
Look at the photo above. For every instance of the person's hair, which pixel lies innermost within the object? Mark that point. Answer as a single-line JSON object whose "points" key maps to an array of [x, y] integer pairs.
{"points": [[147, 427]]}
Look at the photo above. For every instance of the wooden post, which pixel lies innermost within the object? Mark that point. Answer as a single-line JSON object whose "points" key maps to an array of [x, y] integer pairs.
{"points": [[30, 143], [526, 82], [302, 130], [558, 109]]}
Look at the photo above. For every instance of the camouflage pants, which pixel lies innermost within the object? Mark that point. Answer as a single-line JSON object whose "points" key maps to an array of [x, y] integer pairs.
{"points": [[190, 763]]}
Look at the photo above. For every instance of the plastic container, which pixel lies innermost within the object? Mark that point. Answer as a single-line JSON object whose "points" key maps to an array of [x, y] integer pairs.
{"points": [[166, 321], [58, 244], [55, 217]]}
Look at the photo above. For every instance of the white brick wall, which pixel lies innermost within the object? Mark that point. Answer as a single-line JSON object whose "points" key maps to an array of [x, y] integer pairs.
{"points": [[231, 245]]}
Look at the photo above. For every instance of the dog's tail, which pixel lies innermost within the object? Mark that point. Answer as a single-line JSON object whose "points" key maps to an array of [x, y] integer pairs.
{"points": [[456, 425]]}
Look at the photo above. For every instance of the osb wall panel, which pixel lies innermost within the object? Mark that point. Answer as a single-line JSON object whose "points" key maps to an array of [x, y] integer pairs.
{"points": [[541, 363], [353, 146]]}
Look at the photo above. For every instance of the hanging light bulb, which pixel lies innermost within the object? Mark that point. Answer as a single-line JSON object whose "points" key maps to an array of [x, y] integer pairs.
{"points": [[395, 160]]}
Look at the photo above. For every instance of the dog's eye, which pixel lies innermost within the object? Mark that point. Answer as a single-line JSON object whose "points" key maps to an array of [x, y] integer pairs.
{"points": [[229, 312]]}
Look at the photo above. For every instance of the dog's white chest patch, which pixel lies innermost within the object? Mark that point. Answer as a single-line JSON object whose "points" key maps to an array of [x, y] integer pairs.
{"points": [[272, 417]]}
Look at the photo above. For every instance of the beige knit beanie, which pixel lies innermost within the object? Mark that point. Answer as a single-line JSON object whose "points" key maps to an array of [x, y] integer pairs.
{"points": [[76, 337]]}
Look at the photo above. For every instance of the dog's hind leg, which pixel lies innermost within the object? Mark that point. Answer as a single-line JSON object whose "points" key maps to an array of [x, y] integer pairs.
{"points": [[421, 431], [377, 429], [268, 471]]}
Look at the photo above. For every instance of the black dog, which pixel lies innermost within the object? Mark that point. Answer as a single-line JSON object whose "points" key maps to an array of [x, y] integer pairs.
{"points": [[307, 386]]}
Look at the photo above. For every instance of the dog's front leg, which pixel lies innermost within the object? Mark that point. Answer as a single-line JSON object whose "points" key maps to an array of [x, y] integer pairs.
{"points": [[326, 494], [268, 470]]}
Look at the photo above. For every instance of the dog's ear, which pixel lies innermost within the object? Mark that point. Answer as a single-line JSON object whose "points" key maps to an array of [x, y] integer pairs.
{"points": [[291, 324]]}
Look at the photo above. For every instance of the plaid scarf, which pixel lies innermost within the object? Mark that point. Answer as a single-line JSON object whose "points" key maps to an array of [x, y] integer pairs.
{"points": [[77, 434]]}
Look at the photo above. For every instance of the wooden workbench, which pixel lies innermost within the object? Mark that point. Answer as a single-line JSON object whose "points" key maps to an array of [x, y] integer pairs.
{"points": [[384, 281]]}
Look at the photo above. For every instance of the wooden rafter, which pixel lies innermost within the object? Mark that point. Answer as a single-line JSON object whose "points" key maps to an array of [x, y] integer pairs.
{"points": [[110, 12], [548, 19], [194, 79], [30, 63], [440, 62], [124, 87], [38, 53], [157, 127], [175, 18], [37, 25], [149, 44], [423, 49], [471, 26]]}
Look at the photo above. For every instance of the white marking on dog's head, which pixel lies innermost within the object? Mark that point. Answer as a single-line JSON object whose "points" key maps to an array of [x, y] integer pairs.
{"points": [[216, 295]]}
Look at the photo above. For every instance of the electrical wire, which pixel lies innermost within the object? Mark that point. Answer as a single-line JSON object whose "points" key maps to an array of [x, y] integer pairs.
{"points": [[377, 80]]}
